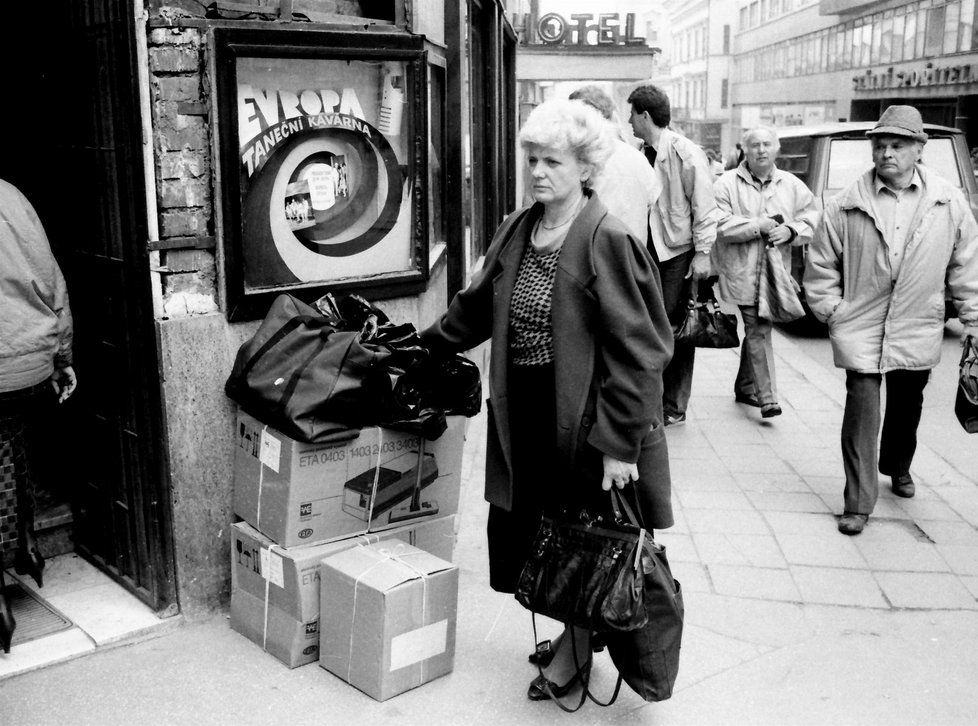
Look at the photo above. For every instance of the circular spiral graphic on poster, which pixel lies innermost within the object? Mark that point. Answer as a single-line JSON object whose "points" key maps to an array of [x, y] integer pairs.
{"points": [[333, 191]]}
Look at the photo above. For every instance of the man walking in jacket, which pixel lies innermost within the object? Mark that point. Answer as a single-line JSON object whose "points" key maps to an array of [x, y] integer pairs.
{"points": [[683, 225], [876, 273], [759, 206]]}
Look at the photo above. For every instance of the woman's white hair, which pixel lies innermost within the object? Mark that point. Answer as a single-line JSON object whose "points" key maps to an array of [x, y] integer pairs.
{"points": [[571, 126]]}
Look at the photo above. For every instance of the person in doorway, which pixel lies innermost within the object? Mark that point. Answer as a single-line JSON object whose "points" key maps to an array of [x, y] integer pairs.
{"points": [[627, 185], [759, 206], [684, 228], [570, 300], [35, 358], [877, 269]]}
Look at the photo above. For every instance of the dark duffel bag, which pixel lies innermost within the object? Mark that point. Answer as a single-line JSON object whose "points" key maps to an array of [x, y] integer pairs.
{"points": [[303, 376]]}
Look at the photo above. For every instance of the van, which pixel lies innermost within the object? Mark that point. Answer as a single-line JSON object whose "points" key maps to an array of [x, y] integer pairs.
{"points": [[829, 157]]}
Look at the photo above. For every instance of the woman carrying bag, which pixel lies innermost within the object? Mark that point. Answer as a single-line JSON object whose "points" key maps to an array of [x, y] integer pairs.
{"points": [[571, 302]]}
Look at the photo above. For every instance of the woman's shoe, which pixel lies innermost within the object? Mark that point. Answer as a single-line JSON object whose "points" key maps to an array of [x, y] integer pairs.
{"points": [[28, 560], [543, 690], [542, 655]]}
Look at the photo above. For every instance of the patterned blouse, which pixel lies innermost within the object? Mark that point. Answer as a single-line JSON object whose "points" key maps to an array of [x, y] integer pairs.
{"points": [[531, 328]]}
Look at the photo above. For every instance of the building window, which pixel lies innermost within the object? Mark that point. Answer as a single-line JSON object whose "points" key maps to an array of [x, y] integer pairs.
{"points": [[935, 31], [724, 89], [726, 40], [743, 18]]}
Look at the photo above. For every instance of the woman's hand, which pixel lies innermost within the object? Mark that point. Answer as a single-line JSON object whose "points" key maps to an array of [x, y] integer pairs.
{"points": [[63, 381], [617, 472]]}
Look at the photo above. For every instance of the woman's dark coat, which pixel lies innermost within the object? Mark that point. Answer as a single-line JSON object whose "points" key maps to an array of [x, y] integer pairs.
{"points": [[611, 338]]}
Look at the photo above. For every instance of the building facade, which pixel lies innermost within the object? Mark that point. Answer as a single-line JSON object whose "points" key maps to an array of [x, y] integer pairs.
{"points": [[189, 164], [698, 57], [810, 61]]}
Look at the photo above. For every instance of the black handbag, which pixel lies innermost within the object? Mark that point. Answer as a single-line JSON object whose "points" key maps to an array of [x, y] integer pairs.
{"points": [[588, 572], [573, 575], [705, 324], [966, 400]]}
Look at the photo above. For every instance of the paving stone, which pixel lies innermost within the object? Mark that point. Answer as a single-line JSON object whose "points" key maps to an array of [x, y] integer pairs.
{"points": [[712, 500], [679, 547], [837, 550], [747, 464], [801, 523], [739, 549], [921, 509], [925, 590], [788, 502], [740, 521], [753, 582], [908, 555], [837, 586], [770, 482], [952, 533], [709, 483], [962, 559]]}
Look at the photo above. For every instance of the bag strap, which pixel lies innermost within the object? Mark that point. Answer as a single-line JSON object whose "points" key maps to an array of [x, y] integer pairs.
{"points": [[620, 504], [583, 673]]}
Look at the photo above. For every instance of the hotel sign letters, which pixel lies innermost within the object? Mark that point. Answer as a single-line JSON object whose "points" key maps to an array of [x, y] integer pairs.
{"points": [[928, 76], [553, 29]]}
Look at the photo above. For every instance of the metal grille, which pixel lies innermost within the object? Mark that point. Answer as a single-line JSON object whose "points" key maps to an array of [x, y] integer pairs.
{"points": [[35, 618]]}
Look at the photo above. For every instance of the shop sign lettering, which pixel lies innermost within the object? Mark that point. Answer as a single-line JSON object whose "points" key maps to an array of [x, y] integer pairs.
{"points": [[257, 151], [928, 76], [553, 29], [259, 109]]}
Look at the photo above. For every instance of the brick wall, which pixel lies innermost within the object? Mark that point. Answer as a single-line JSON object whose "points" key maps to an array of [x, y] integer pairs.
{"points": [[182, 146]]}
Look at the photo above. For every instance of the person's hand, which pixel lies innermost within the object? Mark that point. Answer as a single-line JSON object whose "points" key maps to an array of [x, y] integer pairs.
{"points": [[766, 224], [779, 235], [64, 382], [617, 473], [700, 268]]}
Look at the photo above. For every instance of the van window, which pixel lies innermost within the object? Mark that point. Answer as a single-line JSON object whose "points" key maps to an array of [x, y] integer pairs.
{"points": [[795, 155], [848, 158]]}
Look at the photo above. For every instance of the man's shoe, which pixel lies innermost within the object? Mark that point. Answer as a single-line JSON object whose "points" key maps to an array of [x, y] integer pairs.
{"points": [[852, 523], [769, 410], [746, 398], [903, 486], [675, 419]]}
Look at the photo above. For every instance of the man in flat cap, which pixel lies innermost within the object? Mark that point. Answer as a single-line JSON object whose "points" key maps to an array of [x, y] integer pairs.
{"points": [[877, 269]]}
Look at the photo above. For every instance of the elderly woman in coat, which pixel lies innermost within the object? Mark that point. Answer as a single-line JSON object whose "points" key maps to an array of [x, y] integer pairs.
{"points": [[571, 302]]}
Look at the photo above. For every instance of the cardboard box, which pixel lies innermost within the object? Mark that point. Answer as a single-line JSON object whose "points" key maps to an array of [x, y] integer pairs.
{"points": [[298, 493], [275, 591], [388, 617]]}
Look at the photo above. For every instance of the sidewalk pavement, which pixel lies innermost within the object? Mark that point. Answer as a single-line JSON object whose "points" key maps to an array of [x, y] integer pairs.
{"points": [[787, 621]]}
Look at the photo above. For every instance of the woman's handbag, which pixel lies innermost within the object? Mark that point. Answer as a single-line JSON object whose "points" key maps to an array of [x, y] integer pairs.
{"points": [[705, 325], [966, 401], [777, 291], [587, 572], [574, 571]]}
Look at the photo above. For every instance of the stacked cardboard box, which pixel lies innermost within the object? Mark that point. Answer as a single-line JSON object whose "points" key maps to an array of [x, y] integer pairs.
{"points": [[301, 502], [298, 493], [388, 617], [275, 590]]}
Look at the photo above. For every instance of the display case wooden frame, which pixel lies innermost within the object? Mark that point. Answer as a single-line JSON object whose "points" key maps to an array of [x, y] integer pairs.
{"points": [[297, 216]]}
